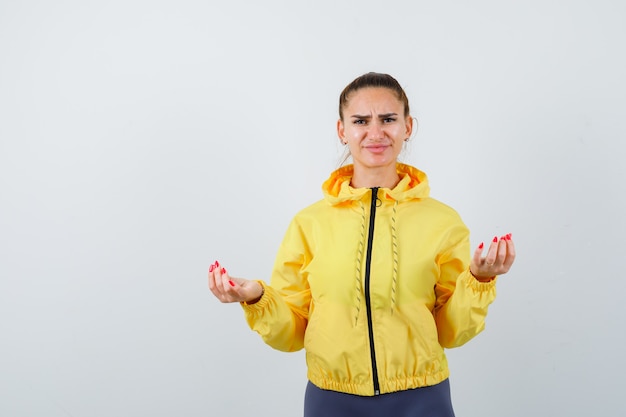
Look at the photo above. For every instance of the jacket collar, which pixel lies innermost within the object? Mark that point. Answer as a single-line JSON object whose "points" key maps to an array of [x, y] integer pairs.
{"points": [[413, 185]]}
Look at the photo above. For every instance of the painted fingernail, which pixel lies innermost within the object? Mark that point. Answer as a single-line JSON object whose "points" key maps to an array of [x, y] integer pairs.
{"points": [[232, 284], [509, 236], [223, 271], [217, 264], [482, 245], [211, 268], [495, 239]]}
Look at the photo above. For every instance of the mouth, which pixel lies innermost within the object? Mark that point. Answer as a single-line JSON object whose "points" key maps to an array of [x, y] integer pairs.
{"points": [[378, 148]]}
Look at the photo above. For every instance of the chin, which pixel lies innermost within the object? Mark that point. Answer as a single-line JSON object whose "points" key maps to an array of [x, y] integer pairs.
{"points": [[378, 163]]}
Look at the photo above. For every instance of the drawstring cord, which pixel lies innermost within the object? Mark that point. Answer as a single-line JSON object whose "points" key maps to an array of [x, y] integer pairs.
{"points": [[394, 244], [359, 262]]}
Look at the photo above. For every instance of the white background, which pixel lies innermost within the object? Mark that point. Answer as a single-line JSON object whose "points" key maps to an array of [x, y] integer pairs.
{"points": [[142, 140]]}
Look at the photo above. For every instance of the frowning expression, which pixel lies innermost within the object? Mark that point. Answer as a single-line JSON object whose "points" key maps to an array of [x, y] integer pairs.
{"points": [[374, 127]]}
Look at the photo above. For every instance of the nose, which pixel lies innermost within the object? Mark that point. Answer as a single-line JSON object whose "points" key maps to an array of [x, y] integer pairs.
{"points": [[376, 130]]}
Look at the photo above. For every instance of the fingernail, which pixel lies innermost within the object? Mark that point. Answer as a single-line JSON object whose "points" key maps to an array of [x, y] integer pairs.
{"points": [[482, 245], [503, 238], [211, 268], [232, 284], [223, 271], [508, 237], [495, 239], [217, 264]]}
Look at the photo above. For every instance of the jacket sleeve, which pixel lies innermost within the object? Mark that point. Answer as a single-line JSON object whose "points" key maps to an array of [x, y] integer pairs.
{"points": [[461, 300], [281, 315]]}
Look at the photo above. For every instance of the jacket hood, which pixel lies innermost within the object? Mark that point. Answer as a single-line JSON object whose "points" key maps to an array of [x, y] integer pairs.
{"points": [[413, 185]]}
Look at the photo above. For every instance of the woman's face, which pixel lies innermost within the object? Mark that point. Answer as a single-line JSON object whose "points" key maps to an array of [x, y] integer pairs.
{"points": [[374, 127]]}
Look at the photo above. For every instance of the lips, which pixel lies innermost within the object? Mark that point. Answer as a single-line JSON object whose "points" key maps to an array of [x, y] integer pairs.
{"points": [[377, 148]]}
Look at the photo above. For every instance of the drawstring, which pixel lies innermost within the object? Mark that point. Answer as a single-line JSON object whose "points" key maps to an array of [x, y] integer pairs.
{"points": [[394, 244], [359, 262], [359, 259]]}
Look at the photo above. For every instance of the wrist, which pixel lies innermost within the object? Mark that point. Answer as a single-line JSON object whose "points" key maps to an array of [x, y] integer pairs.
{"points": [[482, 279], [256, 299]]}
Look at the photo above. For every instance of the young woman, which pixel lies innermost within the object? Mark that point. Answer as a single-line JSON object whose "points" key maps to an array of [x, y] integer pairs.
{"points": [[375, 280]]}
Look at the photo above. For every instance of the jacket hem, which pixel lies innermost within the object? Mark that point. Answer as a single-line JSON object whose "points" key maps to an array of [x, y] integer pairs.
{"points": [[386, 385]]}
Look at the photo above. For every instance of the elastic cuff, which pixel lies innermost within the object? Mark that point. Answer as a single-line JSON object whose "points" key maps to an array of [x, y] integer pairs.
{"points": [[258, 304], [477, 285]]}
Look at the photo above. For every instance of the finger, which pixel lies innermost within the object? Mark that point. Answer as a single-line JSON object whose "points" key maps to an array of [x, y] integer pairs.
{"points": [[211, 279], [222, 279], [477, 265], [212, 283], [478, 254], [222, 284], [218, 274], [510, 253], [492, 253], [218, 289], [502, 252]]}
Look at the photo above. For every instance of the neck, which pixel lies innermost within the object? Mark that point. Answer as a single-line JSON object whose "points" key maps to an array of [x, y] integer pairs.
{"points": [[384, 177]]}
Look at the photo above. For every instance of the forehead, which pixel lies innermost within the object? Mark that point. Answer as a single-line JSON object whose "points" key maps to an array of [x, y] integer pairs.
{"points": [[373, 97]]}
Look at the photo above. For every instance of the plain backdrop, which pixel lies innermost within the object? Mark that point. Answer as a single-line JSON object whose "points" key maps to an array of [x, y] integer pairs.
{"points": [[141, 140]]}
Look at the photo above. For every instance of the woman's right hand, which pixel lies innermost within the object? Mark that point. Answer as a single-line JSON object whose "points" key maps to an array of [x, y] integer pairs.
{"points": [[229, 289]]}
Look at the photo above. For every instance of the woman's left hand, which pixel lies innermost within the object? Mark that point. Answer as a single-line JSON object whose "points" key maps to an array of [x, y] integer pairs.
{"points": [[498, 261]]}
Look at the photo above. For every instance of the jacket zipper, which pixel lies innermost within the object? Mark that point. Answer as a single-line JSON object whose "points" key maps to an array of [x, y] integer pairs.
{"points": [[368, 303]]}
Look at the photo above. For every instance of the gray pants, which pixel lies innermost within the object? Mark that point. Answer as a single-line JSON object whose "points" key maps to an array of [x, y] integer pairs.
{"points": [[433, 401]]}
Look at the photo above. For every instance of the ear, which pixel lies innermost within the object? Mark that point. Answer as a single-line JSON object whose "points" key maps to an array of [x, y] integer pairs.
{"points": [[408, 121], [340, 132]]}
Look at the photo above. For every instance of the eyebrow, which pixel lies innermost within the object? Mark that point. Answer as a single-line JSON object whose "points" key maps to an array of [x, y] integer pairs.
{"points": [[381, 116]]}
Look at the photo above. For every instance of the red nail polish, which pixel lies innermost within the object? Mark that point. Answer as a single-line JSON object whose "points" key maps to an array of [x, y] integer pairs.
{"points": [[509, 236], [223, 271], [495, 239], [232, 284], [211, 268], [482, 245], [217, 264]]}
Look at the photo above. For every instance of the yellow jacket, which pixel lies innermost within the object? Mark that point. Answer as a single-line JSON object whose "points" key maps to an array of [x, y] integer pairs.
{"points": [[373, 291]]}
